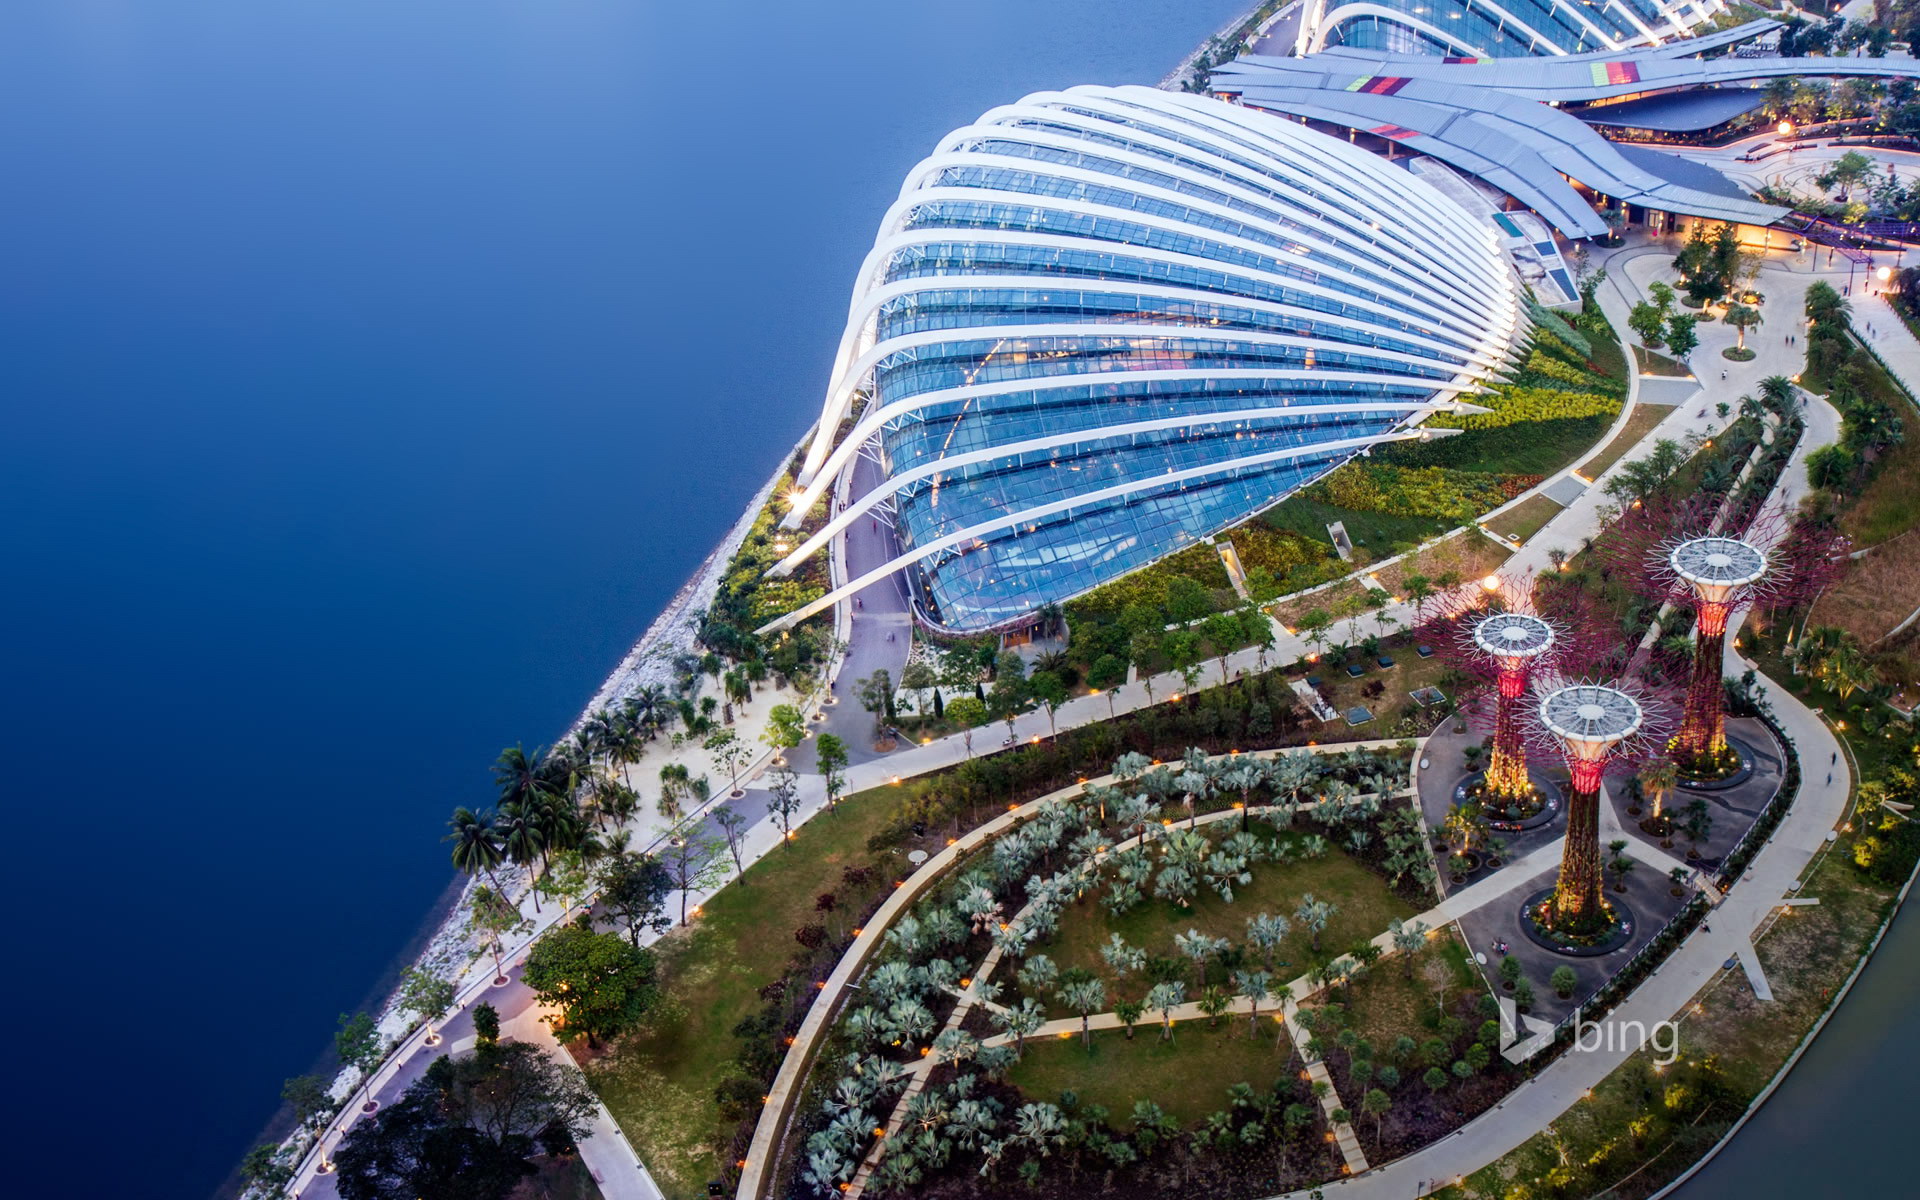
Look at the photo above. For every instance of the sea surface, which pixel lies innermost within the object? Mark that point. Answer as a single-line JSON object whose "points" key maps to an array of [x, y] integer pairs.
{"points": [[373, 372]]}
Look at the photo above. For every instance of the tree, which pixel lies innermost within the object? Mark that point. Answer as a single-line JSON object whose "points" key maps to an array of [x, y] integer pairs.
{"points": [[523, 839], [1223, 634], [783, 801], [358, 1042], [1008, 699], [312, 1104], [1051, 692], [875, 693], [969, 714], [1742, 317], [1564, 981], [1682, 336], [475, 848], [1312, 915], [692, 861], [634, 890], [730, 753], [601, 985], [733, 828], [786, 728], [1163, 998], [486, 1025], [1649, 323], [426, 995], [1129, 1012], [830, 753], [919, 677], [411, 1150], [1376, 1104], [1085, 996], [1106, 674], [490, 915], [515, 1095], [1019, 1022]]}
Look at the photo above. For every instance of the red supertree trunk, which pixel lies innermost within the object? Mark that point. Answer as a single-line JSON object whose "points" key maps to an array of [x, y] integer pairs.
{"points": [[1576, 897], [1507, 767], [1702, 738]]}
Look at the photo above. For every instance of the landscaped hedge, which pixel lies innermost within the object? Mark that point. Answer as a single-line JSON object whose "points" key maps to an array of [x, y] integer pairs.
{"points": [[1413, 491]]}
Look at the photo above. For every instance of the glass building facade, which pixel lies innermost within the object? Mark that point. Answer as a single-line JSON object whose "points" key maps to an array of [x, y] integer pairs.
{"points": [[1100, 324], [1504, 28]]}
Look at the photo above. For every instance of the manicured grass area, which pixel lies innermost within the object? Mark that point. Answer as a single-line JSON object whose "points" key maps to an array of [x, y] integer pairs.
{"points": [[1331, 601], [1652, 362], [1639, 423], [1524, 520], [1879, 592], [1374, 533], [1188, 1076], [1890, 503], [659, 1083], [1470, 556], [1364, 907], [1386, 1003]]}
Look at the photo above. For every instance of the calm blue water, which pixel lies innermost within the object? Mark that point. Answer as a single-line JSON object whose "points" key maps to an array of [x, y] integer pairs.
{"points": [[373, 372]]}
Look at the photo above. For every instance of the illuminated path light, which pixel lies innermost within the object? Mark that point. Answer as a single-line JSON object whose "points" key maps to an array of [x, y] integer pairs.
{"points": [[1589, 722], [1513, 641], [1719, 570]]}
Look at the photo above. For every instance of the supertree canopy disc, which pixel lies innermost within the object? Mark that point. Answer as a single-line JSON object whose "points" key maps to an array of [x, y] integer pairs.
{"points": [[1716, 566], [1513, 635], [1589, 720]]}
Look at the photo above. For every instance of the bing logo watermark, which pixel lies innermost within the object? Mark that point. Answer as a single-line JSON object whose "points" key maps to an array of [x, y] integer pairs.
{"points": [[1523, 1037]]}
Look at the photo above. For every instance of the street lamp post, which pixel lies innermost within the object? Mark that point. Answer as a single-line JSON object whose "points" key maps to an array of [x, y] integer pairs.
{"points": [[1589, 722]]}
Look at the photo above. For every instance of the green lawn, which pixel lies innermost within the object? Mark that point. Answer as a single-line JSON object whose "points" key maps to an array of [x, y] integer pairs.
{"points": [[1890, 503], [659, 1083], [1386, 1004], [1375, 532], [1187, 1076], [1641, 422], [1524, 520], [1365, 906], [1652, 362]]}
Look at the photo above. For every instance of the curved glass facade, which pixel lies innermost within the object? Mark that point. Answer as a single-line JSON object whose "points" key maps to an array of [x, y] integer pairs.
{"points": [[1102, 323], [1508, 28]]}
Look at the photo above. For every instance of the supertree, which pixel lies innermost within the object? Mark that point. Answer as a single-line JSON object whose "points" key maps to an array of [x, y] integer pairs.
{"points": [[1719, 559], [1502, 633], [1594, 727], [1513, 641]]}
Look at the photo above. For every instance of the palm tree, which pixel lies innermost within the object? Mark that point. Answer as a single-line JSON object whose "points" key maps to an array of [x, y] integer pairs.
{"points": [[523, 840], [1658, 778], [474, 846], [522, 777], [1255, 986], [1163, 998], [1743, 317]]}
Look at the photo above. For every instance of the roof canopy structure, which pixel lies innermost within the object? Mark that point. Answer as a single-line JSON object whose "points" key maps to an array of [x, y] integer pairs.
{"points": [[1489, 118], [1100, 324]]}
